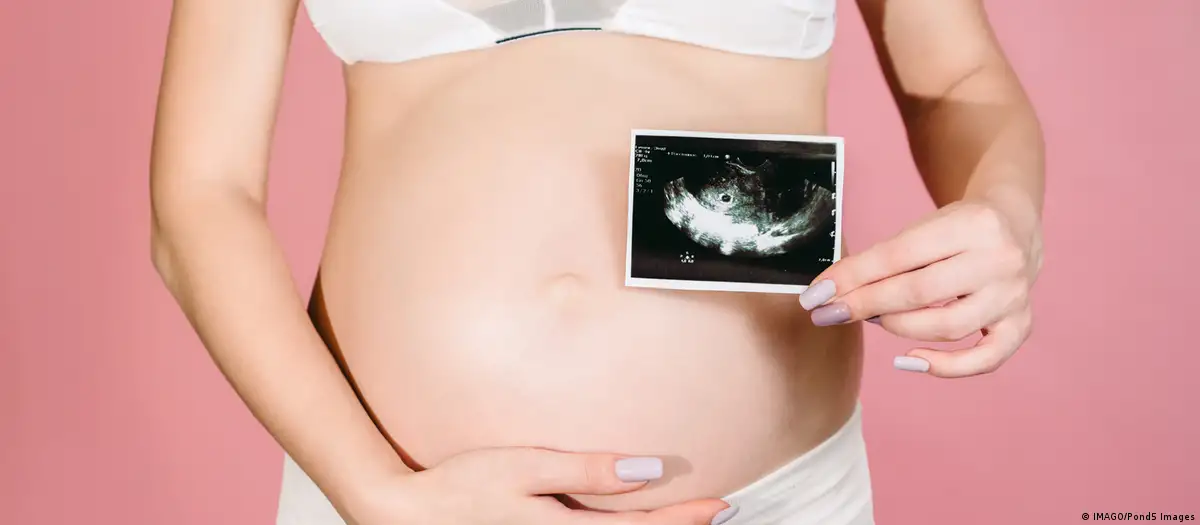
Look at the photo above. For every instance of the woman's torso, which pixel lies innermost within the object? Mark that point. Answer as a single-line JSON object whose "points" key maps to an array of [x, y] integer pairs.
{"points": [[473, 274]]}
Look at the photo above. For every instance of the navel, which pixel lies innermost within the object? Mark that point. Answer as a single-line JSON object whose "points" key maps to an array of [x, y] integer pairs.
{"points": [[564, 289]]}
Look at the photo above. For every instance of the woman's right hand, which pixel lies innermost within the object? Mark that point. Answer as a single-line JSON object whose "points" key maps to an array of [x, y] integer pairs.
{"points": [[514, 486]]}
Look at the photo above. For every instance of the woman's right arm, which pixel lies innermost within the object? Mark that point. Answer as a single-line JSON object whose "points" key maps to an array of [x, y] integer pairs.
{"points": [[215, 252], [212, 246]]}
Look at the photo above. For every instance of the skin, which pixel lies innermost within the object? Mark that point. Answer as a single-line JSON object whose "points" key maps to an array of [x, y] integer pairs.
{"points": [[969, 267], [493, 340]]}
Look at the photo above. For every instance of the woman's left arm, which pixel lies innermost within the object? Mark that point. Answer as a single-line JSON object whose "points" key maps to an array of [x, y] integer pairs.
{"points": [[977, 143]]}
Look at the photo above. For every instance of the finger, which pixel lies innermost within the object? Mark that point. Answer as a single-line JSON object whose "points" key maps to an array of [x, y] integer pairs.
{"points": [[536, 471], [913, 248], [932, 285], [696, 512], [956, 320], [987, 356]]}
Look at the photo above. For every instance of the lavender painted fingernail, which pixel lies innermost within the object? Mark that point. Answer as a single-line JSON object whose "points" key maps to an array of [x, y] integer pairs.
{"points": [[818, 294], [725, 515], [836, 313], [639, 469], [910, 364], [875, 320]]}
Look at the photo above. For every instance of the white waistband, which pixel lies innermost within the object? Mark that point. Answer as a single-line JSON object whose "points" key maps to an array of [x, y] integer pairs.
{"points": [[828, 485]]}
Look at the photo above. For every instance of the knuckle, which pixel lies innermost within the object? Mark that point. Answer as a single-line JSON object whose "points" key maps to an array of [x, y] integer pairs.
{"points": [[929, 287], [522, 457], [958, 330], [986, 370], [937, 333], [1036, 257], [892, 255], [516, 460], [979, 367], [489, 458], [948, 332], [987, 218], [958, 324], [1004, 299], [542, 477], [591, 472], [544, 468], [1025, 322], [845, 276], [1018, 299], [488, 463], [993, 364], [920, 294], [599, 472], [986, 225], [908, 327], [992, 361], [1010, 259]]}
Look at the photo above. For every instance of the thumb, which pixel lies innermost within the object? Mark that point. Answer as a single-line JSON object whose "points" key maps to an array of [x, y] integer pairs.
{"points": [[695, 512]]}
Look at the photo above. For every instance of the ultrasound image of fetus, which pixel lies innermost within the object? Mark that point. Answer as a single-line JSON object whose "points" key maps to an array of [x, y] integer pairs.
{"points": [[749, 211]]}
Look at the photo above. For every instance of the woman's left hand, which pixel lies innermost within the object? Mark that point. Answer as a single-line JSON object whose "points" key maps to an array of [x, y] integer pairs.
{"points": [[966, 268]]}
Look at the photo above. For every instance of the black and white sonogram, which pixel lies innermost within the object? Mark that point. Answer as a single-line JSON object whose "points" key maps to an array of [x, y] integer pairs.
{"points": [[732, 212]]}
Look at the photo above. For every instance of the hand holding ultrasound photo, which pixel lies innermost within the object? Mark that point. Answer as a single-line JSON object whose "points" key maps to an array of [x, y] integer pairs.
{"points": [[732, 212]]}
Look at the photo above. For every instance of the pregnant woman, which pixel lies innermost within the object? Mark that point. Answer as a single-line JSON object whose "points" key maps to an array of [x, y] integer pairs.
{"points": [[470, 354]]}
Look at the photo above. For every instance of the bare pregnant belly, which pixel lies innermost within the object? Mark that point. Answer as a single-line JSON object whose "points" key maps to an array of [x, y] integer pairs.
{"points": [[473, 273]]}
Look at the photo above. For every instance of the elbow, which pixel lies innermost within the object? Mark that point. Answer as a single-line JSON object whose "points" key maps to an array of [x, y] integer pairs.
{"points": [[158, 256], [169, 214], [183, 215], [161, 243], [160, 253]]}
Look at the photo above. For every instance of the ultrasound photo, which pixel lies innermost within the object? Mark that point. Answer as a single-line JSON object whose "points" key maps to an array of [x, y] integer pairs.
{"points": [[732, 212]]}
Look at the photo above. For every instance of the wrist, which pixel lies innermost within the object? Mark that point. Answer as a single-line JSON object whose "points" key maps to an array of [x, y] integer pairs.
{"points": [[367, 491], [1018, 205], [1021, 212], [1015, 189], [394, 500]]}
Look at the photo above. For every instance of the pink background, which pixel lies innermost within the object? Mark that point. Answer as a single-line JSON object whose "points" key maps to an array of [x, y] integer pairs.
{"points": [[112, 412]]}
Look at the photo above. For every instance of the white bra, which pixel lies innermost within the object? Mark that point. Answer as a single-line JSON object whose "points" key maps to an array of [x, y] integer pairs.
{"points": [[400, 30]]}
